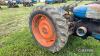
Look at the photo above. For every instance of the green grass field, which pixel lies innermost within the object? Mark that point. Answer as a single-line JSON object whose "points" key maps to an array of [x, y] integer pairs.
{"points": [[16, 39]]}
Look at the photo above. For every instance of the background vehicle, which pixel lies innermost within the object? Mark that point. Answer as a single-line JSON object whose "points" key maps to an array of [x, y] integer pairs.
{"points": [[11, 3], [54, 1], [27, 3]]}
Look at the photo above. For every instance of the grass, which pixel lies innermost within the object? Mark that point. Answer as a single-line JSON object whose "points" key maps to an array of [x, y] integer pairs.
{"points": [[16, 40]]}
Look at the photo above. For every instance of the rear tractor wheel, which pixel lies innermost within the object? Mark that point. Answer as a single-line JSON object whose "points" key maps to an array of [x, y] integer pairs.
{"points": [[49, 27]]}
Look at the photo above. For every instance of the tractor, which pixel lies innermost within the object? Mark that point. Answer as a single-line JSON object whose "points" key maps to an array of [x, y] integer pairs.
{"points": [[52, 26], [11, 4], [27, 3], [54, 1]]}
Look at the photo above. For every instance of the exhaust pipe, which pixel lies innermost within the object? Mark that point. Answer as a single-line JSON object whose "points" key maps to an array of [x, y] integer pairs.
{"points": [[81, 31]]}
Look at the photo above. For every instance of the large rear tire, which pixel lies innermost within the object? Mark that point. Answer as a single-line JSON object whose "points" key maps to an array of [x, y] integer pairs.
{"points": [[57, 30]]}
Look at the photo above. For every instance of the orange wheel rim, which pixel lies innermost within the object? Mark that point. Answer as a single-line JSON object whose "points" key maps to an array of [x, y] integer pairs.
{"points": [[43, 30]]}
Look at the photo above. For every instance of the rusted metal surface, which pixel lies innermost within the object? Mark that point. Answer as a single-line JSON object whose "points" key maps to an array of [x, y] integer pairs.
{"points": [[93, 11]]}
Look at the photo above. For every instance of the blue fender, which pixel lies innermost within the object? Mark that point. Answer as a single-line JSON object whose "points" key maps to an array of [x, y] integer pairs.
{"points": [[96, 35]]}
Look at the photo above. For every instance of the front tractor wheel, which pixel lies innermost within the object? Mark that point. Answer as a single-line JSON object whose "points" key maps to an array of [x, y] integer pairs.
{"points": [[49, 27]]}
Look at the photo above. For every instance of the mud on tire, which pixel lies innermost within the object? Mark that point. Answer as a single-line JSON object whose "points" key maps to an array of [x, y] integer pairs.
{"points": [[59, 22]]}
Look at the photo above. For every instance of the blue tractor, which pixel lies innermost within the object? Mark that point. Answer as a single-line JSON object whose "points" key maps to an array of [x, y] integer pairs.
{"points": [[51, 27], [54, 1], [34, 1], [49, 1]]}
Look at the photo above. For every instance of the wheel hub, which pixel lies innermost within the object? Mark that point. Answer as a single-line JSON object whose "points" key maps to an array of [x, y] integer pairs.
{"points": [[43, 30]]}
